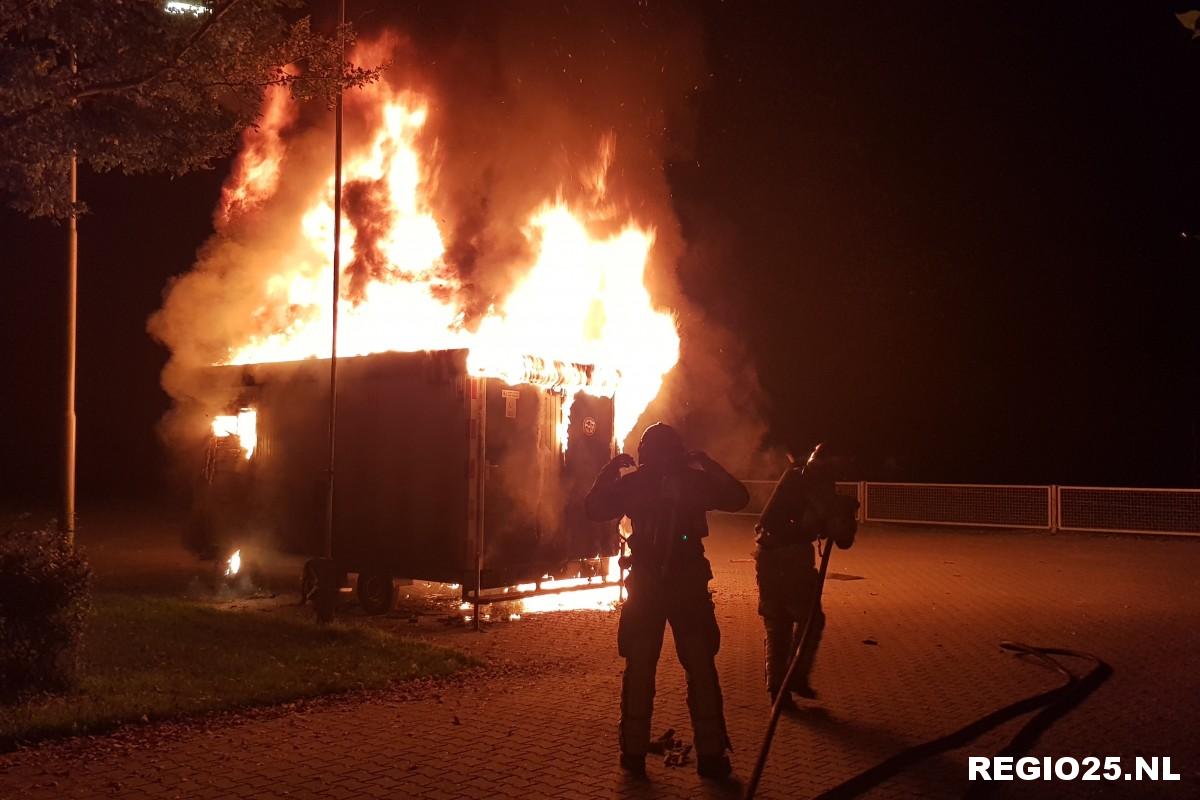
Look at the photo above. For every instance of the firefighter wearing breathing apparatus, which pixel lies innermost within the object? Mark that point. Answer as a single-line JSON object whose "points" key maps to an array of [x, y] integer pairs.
{"points": [[666, 499], [804, 508]]}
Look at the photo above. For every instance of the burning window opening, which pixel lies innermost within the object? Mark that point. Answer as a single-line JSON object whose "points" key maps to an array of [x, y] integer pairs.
{"points": [[243, 426], [234, 565]]}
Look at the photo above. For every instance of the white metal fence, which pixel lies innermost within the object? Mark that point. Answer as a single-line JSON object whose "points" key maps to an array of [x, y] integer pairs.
{"points": [[1094, 508], [1068, 508], [986, 505]]}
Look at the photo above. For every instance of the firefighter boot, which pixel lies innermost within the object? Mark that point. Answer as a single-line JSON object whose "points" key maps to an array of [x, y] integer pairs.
{"points": [[808, 655], [786, 704], [635, 765], [716, 768], [779, 636]]}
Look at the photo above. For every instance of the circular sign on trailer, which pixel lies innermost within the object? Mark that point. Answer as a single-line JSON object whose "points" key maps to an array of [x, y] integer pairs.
{"points": [[589, 426]]}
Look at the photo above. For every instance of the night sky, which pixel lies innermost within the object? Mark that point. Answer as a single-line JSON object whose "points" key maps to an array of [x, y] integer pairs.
{"points": [[948, 235]]}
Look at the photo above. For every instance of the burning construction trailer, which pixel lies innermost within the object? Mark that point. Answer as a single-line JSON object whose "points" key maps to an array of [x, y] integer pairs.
{"points": [[492, 352], [441, 475]]}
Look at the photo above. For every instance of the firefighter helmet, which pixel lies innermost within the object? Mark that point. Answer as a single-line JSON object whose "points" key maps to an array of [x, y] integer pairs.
{"points": [[661, 445]]}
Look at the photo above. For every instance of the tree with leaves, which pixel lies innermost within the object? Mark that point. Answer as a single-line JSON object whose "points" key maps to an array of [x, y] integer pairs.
{"points": [[146, 85], [1191, 21]]}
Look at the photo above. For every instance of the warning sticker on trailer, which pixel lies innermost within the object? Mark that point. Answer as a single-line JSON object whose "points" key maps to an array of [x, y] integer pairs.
{"points": [[510, 402], [589, 426]]}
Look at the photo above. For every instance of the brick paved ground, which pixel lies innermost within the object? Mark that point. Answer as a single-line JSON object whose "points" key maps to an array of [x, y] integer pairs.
{"points": [[936, 602]]}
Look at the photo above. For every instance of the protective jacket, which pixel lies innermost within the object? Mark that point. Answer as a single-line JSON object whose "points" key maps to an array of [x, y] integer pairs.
{"points": [[802, 509], [666, 507]]}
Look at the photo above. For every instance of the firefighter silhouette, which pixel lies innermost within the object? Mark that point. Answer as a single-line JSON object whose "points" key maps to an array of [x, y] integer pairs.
{"points": [[666, 499], [803, 508]]}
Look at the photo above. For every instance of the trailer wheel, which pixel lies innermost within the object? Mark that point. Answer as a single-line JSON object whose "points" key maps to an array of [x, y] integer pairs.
{"points": [[308, 582], [319, 583], [376, 592]]}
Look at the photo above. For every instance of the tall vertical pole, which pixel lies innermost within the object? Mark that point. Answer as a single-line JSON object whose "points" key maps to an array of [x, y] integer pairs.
{"points": [[480, 495], [66, 517], [337, 273]]}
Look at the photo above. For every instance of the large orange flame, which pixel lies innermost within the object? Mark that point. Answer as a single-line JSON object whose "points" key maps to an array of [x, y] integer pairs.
{"points": [[582, 298], [256, 170]]}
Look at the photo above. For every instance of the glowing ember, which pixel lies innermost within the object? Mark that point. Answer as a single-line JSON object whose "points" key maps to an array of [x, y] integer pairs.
{"points": [[601, 598], [180, 7], [582, 298], [243, 425], [234, 565]]}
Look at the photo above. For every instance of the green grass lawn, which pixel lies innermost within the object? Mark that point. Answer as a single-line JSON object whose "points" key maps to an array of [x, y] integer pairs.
{"points": [[158, 657]]}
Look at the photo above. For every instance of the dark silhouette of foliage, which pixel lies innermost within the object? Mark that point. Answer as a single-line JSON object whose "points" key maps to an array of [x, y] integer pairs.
{"points": [[135, 86], [45, 598]]}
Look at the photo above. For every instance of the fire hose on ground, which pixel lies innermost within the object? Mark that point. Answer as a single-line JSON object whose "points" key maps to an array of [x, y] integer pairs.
{"points": [[1054, 703]]}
